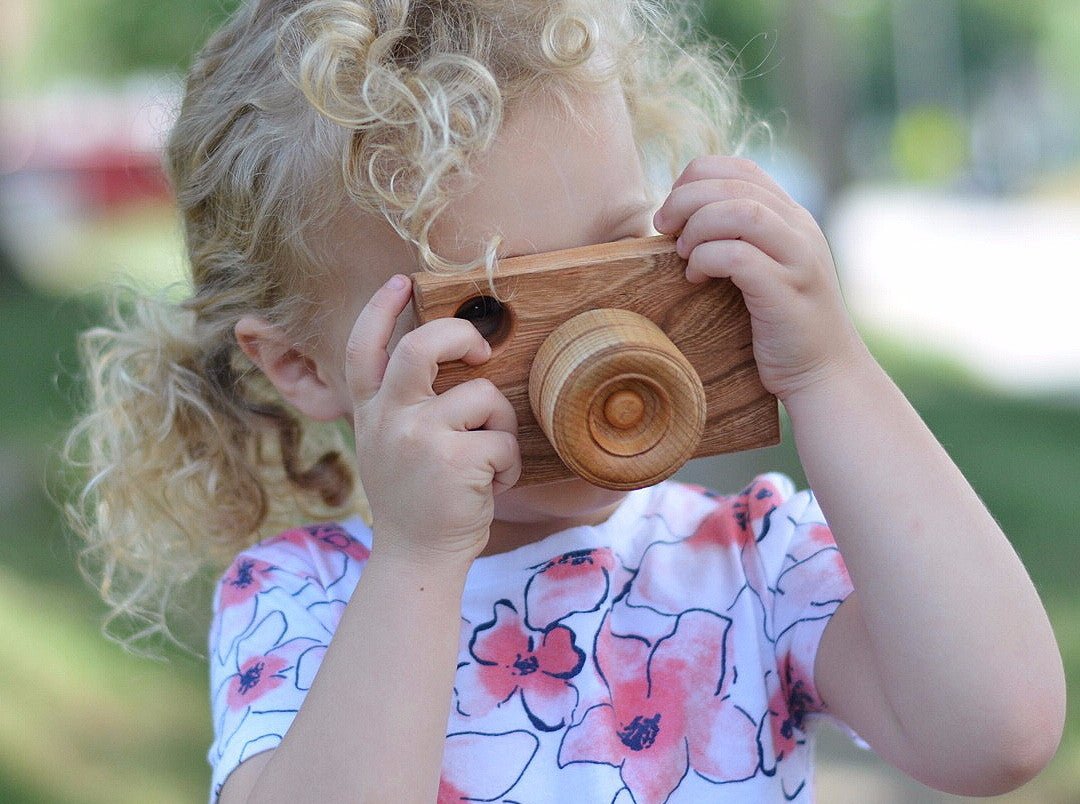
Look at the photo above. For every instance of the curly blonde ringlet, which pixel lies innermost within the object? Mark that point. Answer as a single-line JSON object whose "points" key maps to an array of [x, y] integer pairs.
{"points": [[296, 116]]}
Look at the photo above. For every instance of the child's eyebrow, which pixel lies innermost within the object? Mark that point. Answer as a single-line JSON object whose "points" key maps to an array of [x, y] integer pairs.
{"points": [[609, 220]]}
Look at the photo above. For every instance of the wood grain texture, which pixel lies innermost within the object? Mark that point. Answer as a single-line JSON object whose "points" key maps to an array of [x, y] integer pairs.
{"points": [[707, 322]]}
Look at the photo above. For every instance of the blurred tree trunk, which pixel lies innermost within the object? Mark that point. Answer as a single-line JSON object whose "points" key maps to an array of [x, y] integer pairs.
{"points": [[9, 277], [820, 92], [928, 54]]}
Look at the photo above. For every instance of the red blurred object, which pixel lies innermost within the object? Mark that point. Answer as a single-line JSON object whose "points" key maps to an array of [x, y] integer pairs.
{"points": [[91, 149], [110, 177]]}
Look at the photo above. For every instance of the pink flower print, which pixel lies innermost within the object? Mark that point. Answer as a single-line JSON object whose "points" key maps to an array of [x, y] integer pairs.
{"points": [[238, 599], [329, 537], [668, 710], [243, 580], [754, 503], [484, 767], [256, 677], [335, 537], [448, 794], [327, 549], [511, 659], [706, 563], [574, 582], [812, 585], [816, 537], [792, 700]]}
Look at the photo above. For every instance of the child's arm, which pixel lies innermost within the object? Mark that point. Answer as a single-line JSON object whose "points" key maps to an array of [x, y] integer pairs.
{"points": [[943, 659], [373, 725]]}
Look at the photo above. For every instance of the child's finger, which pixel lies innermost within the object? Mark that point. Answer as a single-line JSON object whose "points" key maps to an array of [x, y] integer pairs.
{"points": [[716, 166], [415, 361], [753, 272], [741, 219], [503, 456], [366, 354], [683, 201], [476, 405]]}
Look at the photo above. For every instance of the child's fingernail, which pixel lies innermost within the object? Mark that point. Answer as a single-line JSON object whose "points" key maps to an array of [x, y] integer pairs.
{"points": [[397, 282], [679, 244], [658, 220]]}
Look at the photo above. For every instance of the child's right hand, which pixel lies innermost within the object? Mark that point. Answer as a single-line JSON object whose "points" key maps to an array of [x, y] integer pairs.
{"points": [[430, 464]]}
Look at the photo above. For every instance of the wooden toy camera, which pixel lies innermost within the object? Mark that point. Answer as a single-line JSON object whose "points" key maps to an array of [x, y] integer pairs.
{"points": [[618, 368]]}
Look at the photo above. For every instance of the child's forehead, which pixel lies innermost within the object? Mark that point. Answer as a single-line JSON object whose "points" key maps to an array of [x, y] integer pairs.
{"points": [[552, 178]]}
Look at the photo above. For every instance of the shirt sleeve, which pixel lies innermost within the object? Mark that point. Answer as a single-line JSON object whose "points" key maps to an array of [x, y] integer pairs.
{"points": [[274, 614], [800, 576]]}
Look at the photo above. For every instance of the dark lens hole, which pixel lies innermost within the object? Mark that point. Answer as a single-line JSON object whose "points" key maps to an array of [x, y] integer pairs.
{"points": [[486, 314]]}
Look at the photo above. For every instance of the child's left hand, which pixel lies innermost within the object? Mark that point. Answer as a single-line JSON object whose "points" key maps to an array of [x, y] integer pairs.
{"points": [[736, 222], [924, 543]]}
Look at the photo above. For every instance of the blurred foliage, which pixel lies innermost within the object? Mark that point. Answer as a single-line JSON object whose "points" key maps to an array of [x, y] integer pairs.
{"points": [[929, 144], [990, 31], [749, 33], [114, 38]]}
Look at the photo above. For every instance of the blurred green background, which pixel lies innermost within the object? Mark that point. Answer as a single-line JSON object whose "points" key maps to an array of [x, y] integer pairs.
{"points": [[936, 140]]}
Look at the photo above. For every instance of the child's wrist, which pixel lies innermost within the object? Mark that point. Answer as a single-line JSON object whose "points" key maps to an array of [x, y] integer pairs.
{"points": [[850, 383], [847, 366], [431, 564]]}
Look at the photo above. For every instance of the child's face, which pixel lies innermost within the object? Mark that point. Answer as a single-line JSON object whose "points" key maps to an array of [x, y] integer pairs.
{"points": [[547, 183]]}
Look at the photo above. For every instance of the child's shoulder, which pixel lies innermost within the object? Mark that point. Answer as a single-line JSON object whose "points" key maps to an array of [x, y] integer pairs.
{"points": [[323, 553], [675, 511], [767, 490], [768, 514], [773, 484], [350, 536]]}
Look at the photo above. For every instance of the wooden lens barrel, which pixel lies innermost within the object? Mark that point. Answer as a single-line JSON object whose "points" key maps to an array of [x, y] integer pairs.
{"points": [[618, 401]]}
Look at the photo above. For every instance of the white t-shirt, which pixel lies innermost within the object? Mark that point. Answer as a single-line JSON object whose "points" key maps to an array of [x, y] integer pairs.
{"points": [[665, 655]]}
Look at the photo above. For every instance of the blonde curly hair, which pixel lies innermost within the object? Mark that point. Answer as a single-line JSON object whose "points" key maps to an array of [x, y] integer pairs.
{"points": [[294, 114]]}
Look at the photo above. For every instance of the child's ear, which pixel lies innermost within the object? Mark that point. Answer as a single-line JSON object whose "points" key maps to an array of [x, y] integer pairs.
{"points": [[296, 375]]}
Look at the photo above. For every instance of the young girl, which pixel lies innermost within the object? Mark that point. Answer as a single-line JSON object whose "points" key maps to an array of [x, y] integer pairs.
{"points": [[556, 643]]}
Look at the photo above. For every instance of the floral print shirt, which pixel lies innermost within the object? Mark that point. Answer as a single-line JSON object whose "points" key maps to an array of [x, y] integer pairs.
{"points": [[665, 655]]}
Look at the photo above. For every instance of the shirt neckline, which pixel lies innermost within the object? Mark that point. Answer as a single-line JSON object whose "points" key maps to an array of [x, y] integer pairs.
{"points": [[582, 537], [494, 568]]}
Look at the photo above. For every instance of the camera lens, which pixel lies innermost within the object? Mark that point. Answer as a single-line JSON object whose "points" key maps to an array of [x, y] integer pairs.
{"points": [[487, 314]]}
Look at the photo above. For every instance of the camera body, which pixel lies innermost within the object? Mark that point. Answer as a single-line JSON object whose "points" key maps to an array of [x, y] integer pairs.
{"points": [[618, 368]]}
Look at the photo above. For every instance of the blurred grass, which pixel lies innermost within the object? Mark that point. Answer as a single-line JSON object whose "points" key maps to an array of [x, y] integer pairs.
{"points": [[82, 721], [141, 244]]}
